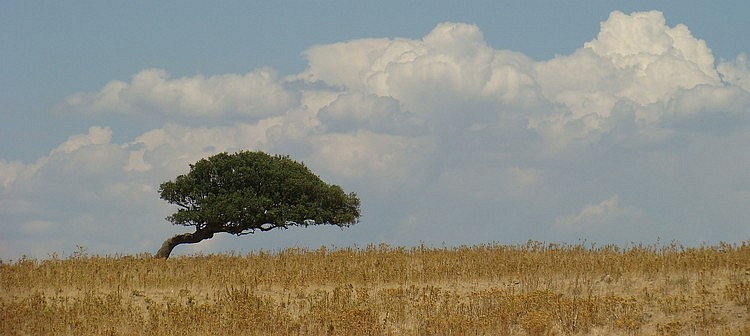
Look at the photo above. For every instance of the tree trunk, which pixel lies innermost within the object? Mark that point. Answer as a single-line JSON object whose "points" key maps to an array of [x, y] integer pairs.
{"points": [[185, 238]]}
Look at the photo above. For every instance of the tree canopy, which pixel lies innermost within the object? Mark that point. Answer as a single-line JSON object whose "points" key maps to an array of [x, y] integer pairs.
{"points": [[245, 192]]}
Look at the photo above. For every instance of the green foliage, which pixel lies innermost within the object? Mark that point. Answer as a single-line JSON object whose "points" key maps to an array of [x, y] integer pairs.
{"points": [[247, 191]]}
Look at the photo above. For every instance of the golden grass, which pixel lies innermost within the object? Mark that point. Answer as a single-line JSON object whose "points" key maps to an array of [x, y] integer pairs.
{"points": [[531, 289]]}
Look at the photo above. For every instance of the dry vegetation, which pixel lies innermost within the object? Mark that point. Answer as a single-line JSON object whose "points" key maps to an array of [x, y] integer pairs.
{"points": [[531, 289]]}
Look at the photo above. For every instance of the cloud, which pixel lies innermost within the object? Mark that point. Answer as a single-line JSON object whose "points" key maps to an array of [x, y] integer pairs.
{"points": [[253, 95], [736, 72], [353, 111], [9, 172], [635, 59], [36, 227], [392, 160], [715, 109], [95, 136], [448, 68], [445, 138], [596, 216], [644, 43]]}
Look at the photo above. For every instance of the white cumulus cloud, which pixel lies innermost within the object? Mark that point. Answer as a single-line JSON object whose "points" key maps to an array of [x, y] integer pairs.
{"points": [[153, 91]]}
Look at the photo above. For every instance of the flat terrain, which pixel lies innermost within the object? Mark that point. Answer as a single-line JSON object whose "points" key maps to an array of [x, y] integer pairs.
{"points": [[530, 289]]}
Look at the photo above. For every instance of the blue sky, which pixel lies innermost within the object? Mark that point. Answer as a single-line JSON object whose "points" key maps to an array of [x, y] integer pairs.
{"points": [[456, 123]]}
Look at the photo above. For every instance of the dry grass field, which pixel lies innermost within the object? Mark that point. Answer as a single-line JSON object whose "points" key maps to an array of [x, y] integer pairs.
{"points": [[530, 289]]}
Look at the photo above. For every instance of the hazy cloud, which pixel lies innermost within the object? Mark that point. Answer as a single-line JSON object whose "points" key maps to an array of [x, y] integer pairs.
{"points": [[9, 171], [605, 214], [353, 111]]}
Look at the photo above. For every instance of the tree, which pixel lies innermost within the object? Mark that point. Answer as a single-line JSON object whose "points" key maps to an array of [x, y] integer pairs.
{"points": [[245, 192]]}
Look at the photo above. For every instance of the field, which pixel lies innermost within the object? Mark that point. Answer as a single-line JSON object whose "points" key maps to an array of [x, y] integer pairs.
{"points": [[529, 289]]}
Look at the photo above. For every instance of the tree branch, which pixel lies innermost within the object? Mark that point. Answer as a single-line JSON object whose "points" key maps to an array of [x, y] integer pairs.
{"points": [[185, 238]]}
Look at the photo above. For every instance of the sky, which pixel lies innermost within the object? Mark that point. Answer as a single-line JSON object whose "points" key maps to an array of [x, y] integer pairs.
{"points": [[456, 123]]}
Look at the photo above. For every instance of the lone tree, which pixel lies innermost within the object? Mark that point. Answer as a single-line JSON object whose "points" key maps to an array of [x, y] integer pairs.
{"points": [[244, 192]]}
